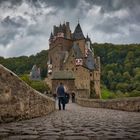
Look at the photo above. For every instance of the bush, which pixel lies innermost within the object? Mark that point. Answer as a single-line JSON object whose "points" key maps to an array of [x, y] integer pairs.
{"points": [[38, 85], [134, 93], [26, 79], [106, 94]]}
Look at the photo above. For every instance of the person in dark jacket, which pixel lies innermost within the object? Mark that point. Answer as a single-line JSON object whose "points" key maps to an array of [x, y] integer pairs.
{"points": [[67, 97], [61, 96], [73, 97]]}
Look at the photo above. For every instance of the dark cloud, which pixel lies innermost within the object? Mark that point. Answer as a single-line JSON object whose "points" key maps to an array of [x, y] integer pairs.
{"points": [[25, 25], [63, 3], [11, 1], [14, 22], [113, 5], [10, 28]]}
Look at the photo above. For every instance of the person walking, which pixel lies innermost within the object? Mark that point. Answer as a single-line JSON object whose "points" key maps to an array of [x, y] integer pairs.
{"points": [[73, 97], [61, 96]]}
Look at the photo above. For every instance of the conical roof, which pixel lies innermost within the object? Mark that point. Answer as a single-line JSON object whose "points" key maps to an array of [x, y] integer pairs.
{"points": [[51, 36], [78, 34], [88, 39]]}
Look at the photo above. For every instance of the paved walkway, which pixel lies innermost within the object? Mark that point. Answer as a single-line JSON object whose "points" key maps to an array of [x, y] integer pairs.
{"points": [[76, 123]]}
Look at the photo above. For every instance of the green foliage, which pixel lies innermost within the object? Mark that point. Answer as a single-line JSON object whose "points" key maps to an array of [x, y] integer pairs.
{"points": [[23, 64], [38, 85], [106, 94], [120, 67], [26, 79]]}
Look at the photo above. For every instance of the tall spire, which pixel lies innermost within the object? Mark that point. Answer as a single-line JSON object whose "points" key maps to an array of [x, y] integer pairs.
{"points": [[78, 33], [51, 36], [87, 38]]}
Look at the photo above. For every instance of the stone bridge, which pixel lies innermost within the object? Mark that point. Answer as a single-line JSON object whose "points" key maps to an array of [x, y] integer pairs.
{"points": [[76, 123], [18, 101]]}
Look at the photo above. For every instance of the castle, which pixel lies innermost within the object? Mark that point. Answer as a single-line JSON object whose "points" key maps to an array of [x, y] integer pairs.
{"points": [[71, 60]]}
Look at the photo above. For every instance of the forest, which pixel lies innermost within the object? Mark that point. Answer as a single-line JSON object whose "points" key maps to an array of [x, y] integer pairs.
{"points": [[120, 66], [23, 64]]}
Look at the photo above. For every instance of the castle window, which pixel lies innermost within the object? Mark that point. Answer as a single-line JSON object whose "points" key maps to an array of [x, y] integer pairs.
{"points": [[76, 69], [67, 69], [72, 69], [90, 74]]}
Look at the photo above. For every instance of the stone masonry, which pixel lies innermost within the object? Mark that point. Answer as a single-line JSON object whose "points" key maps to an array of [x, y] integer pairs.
{"points": [[76, 123], [19, 101], [72, 52], [126, 104]]}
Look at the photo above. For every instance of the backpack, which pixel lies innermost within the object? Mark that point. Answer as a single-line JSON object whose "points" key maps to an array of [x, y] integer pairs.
{"points": [[66, 98]]}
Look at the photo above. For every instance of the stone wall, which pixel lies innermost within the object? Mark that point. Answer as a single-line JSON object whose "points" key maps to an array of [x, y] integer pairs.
{"points": [[82, 93], [69, 85], [126, 104], [19, 101]]}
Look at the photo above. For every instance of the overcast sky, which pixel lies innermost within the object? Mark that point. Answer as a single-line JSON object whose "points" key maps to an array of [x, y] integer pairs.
{"points": [[25, 25]]}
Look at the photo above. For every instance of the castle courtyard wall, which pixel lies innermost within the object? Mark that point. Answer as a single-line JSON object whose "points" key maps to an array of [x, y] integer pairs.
{"points": [[69, 85]]}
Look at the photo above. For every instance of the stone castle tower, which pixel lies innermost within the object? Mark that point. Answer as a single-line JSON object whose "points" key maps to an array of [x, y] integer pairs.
{"points": [[71, 60]]}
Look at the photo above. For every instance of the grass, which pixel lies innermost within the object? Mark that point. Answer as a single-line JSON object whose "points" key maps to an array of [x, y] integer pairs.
{"points": [[107, 94]]}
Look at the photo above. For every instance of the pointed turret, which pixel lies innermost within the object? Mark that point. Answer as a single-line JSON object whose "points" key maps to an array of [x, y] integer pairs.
{"points": [[78, 34], [51, 36], [60, 29], [87, 38]]}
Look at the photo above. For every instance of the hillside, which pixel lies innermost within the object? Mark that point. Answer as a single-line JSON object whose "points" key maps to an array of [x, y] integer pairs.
{"points": [[23, 64], [120, 66]]}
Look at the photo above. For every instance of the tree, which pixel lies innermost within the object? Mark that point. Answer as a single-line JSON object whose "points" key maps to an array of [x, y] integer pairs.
{"points": [[126, 76]]}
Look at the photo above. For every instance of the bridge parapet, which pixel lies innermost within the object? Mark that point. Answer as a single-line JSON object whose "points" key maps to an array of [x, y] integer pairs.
{"points": [[19, 101], [125, 104]]}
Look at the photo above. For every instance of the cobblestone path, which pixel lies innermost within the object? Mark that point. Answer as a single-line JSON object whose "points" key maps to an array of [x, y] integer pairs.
{"points": [[76, 123]]}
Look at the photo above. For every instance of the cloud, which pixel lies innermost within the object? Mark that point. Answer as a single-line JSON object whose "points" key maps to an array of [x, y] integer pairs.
{"points": [[25, 25]]}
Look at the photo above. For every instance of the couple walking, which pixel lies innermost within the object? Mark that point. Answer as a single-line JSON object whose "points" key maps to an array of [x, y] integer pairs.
{"points": [[61, 96]]}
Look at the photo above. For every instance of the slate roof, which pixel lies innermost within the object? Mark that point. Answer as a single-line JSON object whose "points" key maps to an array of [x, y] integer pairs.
{"points": [[77, 51], [90, 61], [51, 36], [78, 34], [88, 39]]}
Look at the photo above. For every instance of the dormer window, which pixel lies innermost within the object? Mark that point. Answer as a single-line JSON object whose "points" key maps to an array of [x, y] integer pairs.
{"points": [[79, 62]]}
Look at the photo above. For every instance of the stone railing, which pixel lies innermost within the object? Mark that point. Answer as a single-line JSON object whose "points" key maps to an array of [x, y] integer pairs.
{"points": [[19, 101], [126, 104]]}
